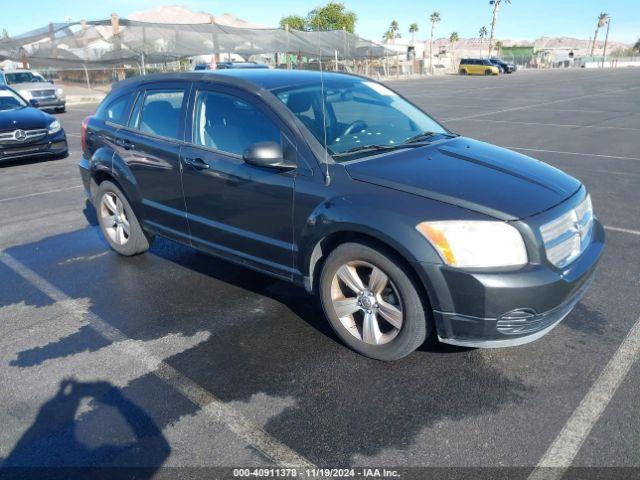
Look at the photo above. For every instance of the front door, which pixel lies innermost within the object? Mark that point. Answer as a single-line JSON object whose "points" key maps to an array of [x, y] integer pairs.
{"points": [[151, 149], [234, 209]]}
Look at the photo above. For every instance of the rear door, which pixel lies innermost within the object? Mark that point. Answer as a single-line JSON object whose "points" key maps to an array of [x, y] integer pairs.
{"points": [[150, 145], [235, 209]]}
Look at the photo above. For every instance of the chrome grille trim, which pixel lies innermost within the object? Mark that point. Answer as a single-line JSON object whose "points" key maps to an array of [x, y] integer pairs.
{"points": [[567, 236], [9, 137], [43, 93]]}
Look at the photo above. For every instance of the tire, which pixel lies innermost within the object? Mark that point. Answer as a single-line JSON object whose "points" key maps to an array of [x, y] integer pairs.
{"points": [[488, 72], [128, 244], [463, 71], [61, 109], [389, 342]]}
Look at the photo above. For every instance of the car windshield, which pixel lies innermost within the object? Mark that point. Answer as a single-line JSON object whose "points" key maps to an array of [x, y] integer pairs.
{"points": [[20, 77], [359, 115], [10, 101]]}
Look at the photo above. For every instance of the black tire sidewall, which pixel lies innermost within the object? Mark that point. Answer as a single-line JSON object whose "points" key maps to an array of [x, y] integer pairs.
{"points": [[138, 241], [414, 329]]}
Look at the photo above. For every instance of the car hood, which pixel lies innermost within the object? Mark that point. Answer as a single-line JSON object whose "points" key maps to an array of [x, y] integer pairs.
{"points": [[470, 174], [33, 86], [27, 118]]}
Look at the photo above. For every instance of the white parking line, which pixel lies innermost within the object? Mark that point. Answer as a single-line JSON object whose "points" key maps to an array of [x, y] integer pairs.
{"points": [[484, 120], [622, 230], [573, 153], [552, 102], [219, 411], [35, 194], [560, 455], [73, 134]]}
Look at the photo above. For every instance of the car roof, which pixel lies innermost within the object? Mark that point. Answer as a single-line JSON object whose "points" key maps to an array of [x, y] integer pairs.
{"points": [[269, 79]]}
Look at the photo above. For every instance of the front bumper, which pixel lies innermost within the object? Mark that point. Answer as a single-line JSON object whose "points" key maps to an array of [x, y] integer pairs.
{"points": [[49, 146], [499, 309]]}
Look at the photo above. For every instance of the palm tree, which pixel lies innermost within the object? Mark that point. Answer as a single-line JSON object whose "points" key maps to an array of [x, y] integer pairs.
{"points": [[496, 7], [498, 48], [394, 29], [602, 19], [636, 47], [434, 18], [413, 28], [453, 38], [483, 33]]}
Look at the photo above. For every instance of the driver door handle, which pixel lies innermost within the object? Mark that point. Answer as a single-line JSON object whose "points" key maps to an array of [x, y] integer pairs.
{"points": [[125, 143], [197, 163]]}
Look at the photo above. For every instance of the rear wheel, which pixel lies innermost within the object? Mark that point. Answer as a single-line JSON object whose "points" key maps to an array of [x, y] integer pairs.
{"points": [[118, 223], [488, 72], [371, 302], [463, 71], [61, 109]]}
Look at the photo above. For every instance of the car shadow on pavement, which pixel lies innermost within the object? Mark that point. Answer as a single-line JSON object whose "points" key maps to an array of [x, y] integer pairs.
{"points": [[52, 448], [267, 338]]}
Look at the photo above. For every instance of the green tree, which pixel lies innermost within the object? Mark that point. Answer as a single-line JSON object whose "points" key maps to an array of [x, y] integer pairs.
{"points": [[332, 16], [499, 46], [295, 22], [636, 47], [602, 20], [482, 33], [494, 20], [433, 18], [5, 34], [453, 38], [413, 28]]}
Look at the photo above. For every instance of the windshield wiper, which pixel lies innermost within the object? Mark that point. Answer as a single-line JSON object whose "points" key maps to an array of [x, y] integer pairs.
{"points": [[421, 137], [366, 148]]}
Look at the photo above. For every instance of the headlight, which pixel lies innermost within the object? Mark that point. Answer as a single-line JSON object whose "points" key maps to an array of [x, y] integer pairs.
{"points": [[26, 94], [54, 127], [59, 92], [463, 243]]}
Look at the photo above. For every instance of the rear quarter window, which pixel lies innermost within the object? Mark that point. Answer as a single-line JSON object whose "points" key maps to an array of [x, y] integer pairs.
{"points": [[115, 110]]}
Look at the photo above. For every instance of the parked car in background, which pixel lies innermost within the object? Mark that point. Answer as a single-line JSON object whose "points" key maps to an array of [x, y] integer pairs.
{"points": [[505, 67], [336, 183], [228, 65], [26, 131], [477, 66], [32, 85]]}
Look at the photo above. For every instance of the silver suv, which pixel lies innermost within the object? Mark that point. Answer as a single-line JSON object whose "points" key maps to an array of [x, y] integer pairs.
{"points": [[33, 86]]}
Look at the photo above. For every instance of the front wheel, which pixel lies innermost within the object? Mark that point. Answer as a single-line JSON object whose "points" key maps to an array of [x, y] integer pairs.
{"points": [[463, 71], [488, 72], [118, 223], [371, 302]]}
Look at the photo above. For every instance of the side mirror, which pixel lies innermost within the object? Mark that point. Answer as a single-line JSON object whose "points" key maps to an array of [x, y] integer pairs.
{"points": [[34, 103], [267, 155], [50, 81]]}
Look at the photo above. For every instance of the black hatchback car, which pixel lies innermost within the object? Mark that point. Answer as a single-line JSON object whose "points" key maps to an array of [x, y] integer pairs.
{"points": [[335, 182], [26, 131]]}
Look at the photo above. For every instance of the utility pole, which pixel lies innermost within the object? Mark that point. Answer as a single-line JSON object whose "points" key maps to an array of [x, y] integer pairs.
{"points": [[606, 39]]}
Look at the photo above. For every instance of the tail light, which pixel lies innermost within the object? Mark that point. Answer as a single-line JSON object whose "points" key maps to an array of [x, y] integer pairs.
{"points": [[83, 133]]}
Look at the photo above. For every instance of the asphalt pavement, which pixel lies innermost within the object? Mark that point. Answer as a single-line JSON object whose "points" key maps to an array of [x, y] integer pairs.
{"points": [[177, 359]]}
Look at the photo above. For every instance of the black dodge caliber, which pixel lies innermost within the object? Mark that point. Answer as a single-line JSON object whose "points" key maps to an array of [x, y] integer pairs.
{"points": [[334, 182], [26, 131]]}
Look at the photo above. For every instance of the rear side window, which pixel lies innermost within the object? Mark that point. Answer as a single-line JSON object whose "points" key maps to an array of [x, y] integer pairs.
{"points": [[230, 124], [116, 110], [160, 113]]}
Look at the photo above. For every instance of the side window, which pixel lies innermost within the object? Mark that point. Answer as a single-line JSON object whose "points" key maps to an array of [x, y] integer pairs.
{"points": [[116, 110], [135, 114], [160, 114], [2, 79], [230, 124]]}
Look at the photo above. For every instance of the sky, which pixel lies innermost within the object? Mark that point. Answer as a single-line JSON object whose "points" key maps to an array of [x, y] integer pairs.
{"points": [[522, 19]]}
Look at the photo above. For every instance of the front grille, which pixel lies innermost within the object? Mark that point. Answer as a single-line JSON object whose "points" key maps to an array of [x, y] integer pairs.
{"points": [[566, 237], [12, 137], [43, 93]]}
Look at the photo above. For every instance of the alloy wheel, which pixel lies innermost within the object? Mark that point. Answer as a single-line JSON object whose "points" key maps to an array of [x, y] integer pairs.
{"points": [[114, 218], [367, 302]]}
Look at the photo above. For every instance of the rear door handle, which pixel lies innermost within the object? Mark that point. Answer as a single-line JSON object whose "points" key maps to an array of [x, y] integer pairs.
{"points": [[197, 163], [125, 143]]}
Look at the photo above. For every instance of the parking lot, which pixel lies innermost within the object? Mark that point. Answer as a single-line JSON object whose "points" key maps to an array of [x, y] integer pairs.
{"points": [[177, 359]]}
